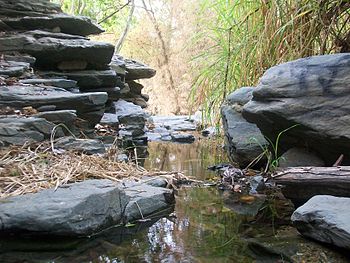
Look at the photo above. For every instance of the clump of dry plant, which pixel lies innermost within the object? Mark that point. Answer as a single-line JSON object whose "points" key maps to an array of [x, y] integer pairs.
{"points": [[31, 168]]}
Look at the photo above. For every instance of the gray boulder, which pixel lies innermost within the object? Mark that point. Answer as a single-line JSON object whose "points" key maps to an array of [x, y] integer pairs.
{"points": [[312, 92], [299, 157], [81, 209], [325, 218], [71, 210], [243, 140], [19, 130]]}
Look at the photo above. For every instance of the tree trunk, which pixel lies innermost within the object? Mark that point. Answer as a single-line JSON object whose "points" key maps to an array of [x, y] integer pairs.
{"points": [[121, 40], [302, 183]]}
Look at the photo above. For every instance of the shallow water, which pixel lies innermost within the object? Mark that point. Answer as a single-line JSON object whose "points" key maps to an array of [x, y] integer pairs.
{"points": [[202, 228]]}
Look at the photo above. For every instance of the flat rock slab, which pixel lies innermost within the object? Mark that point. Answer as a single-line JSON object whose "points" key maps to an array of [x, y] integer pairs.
{"points": [[175, 123], [81, 209], [87, 79], [326, 219], [313, 92], [133, 69], [58, 51], [27, 8], [89, 106], [75, 25]]}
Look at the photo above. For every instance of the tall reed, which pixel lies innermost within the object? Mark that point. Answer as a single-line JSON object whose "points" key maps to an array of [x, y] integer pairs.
{"points": [[244, 38]]}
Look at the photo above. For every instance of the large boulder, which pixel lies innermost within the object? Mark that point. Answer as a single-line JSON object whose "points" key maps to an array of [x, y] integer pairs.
{"points": [[244, 140], [81, 209], [312, 92], [325, 218]]}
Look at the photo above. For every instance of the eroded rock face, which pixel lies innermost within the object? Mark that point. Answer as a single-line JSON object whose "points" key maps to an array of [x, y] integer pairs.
{"points": [[81, 209], [299, 157], [325, 218], [244, 140], [312, 92]]}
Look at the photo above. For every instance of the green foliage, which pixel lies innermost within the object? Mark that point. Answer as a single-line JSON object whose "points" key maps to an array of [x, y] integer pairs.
{"points": [[111, 14], [244, 38]]}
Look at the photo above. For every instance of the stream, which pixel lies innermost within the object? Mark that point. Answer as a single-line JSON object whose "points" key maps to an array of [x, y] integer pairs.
{"points": [[206, 225]]}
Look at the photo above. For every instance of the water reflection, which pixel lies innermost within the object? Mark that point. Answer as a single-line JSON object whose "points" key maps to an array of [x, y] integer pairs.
{"points": [[192, 159]]}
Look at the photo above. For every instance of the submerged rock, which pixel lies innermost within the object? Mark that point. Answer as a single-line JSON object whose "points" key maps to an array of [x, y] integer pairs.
{"points": [[325, 218], [312, 92], [81, 209], [244, 140]]}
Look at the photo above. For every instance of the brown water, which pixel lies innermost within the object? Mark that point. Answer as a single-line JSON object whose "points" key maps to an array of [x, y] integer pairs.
{"points": [[202, 227]]}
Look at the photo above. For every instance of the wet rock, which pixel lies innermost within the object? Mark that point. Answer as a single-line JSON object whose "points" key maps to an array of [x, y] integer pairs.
{"points": [[326, 219], [59, 83], [78, 209], [183, 137], [87, 79], [50, 51], [89, 106], [299, 157], [314, 88], [81, 209], [145, 200], [75, 25], [175, 123], [87, 146], [209, 132], [257, 184], [244, 140], [19, 130]]}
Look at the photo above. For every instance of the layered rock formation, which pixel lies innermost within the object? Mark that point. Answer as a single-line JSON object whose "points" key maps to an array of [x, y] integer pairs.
{"points": [[48, 63]]}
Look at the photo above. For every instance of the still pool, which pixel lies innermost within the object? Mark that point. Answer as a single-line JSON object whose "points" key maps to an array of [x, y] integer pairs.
{"points": [[205, 225]]}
